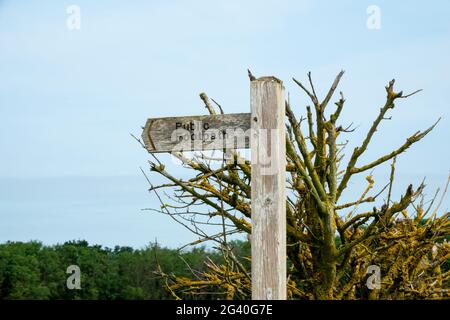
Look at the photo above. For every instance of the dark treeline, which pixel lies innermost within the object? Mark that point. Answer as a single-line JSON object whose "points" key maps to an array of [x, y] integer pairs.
{"points": [[34, 271]]}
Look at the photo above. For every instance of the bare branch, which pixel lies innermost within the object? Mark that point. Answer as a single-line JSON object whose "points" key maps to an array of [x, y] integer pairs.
{"points": [[411, 140], [332, 89]]}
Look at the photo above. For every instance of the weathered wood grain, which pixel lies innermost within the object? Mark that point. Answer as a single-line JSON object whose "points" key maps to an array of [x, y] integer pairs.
{"points": [[268, 150], [196, 133]]}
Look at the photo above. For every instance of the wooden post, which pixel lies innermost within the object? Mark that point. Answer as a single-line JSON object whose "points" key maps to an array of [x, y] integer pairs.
{"points": [[268, 156]]}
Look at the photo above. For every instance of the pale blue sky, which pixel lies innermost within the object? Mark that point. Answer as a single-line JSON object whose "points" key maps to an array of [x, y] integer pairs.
{"points": [[69, 99]]}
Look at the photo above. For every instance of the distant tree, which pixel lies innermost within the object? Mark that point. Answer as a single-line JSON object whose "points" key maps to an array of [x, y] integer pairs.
{"points": [[21, 272], [331, 243], [33, 271]]}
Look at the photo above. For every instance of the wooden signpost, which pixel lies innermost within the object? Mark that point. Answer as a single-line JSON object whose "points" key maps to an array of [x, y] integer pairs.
{"points": [[262, 130], [197, 133], [268, 152]]}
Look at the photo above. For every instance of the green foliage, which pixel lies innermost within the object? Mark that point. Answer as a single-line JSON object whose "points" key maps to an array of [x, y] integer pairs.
{"points": [[34, 271]]}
